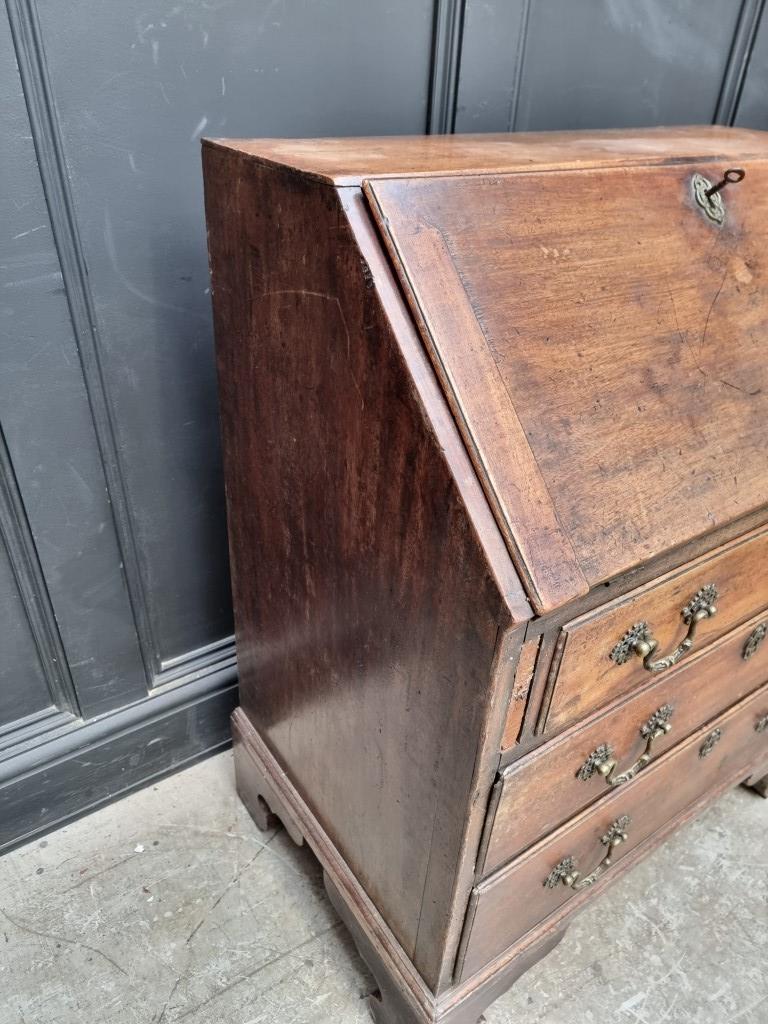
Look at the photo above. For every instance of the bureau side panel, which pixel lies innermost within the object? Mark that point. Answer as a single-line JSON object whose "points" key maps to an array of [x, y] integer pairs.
{"points": [[366, 615]]}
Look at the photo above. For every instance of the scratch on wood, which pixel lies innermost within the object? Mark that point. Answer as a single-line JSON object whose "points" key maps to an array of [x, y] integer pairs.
{"points": [[711, 308]]}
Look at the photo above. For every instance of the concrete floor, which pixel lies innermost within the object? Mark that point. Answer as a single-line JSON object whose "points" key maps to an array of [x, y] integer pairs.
{"points": [[169, 906]]}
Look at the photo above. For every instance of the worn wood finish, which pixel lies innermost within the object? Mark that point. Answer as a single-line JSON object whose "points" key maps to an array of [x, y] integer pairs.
{"points": [[520, 689], [543, 789], [263, 800], [513, 481], [587, 678], [584, 287], [441, 503], [349, 161], [435, 407], [367, 614], [510, 902]]}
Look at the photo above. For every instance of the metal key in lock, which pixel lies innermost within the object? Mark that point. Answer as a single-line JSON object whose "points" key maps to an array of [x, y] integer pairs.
{"points": [[708, 195]]}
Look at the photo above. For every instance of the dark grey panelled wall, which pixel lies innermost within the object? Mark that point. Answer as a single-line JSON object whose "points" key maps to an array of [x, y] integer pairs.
{"points": [[114, 595]]}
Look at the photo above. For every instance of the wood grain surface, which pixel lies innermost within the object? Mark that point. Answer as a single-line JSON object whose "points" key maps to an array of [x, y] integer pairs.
{"points": [[617, 404], [367, 614], [348, 161]]}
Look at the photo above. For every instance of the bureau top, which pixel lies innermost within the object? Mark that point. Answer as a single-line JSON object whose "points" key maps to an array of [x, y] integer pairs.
{"points": [[350, 161]]}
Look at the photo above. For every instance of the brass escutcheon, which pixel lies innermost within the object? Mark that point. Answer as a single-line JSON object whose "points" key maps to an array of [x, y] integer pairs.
{"points": [[708, 195], [638, 640]]}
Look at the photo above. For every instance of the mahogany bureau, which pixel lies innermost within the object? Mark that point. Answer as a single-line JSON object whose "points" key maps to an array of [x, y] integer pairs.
{"points": [[495, 425]]}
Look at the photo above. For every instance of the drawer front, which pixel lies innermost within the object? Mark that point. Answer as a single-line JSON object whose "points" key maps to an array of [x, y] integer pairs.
{"points": [[597, 664], [510, 903], [537, 793]]}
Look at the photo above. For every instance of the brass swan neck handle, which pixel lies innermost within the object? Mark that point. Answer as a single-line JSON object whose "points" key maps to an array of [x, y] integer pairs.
{"points": [[565, 872], [639, 640], [602, 761]]}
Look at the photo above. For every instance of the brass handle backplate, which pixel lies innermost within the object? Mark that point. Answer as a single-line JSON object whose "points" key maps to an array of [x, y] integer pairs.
{"points": [[565, 872], [710, 743], [639, 640], [602, 762], [754, 640]]}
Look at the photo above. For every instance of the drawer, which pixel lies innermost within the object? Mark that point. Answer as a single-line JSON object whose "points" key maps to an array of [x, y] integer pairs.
{"points": [[597, 662], [553, 783], [519, 896]]}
